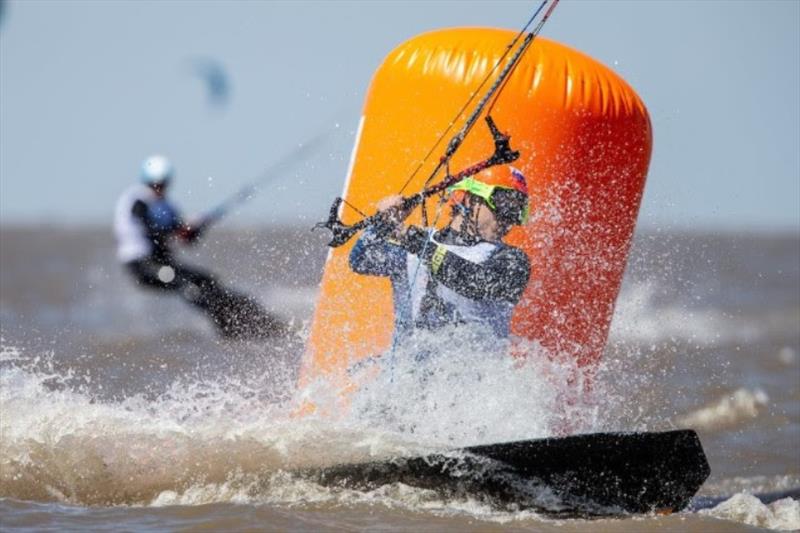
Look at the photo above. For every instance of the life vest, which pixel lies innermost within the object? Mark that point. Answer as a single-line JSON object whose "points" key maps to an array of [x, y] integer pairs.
{"points": [[134, 238], [452, 307]]}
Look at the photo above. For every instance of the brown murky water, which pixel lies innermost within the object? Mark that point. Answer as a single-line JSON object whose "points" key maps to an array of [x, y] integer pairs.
{"points": [[120, 409]]}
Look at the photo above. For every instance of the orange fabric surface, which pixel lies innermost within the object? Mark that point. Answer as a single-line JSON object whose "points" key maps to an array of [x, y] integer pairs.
{"points": [[585, 142]]}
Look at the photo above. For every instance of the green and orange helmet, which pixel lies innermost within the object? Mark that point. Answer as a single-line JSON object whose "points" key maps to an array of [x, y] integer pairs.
{"points": [[503, 189]]}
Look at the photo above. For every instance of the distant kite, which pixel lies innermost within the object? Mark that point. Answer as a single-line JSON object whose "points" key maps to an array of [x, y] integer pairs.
{"points": [[2, 10], [215, 78]]}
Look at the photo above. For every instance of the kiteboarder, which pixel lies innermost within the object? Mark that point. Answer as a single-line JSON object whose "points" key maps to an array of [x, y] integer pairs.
{"points": [[461, 275], [146, 223]]}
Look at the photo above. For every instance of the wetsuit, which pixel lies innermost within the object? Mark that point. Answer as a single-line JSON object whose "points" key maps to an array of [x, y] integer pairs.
{"points": [[451, 279], [144, 225]]}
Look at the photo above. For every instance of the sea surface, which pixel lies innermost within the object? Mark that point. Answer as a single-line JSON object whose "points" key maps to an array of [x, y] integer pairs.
{"points": [[120, 410]]}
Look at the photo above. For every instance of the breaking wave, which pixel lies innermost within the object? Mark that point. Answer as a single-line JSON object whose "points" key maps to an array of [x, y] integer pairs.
{"points": [[204, 442], [742, 404], [640, 318], [782, 515]]}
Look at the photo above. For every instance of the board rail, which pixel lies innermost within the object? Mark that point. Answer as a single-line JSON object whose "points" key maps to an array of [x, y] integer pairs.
{"points": [[597, 474]]}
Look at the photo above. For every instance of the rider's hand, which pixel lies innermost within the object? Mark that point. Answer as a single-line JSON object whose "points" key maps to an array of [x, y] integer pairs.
{"points": [[414, 239], [392, 214], [393, 208], [193, 231]]}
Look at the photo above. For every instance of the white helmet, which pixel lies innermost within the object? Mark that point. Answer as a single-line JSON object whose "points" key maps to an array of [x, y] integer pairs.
{"points": [[156, 170]]}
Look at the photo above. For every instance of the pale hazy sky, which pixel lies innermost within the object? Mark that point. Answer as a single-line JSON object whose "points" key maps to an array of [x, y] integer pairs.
{"points": [[89, 88]]}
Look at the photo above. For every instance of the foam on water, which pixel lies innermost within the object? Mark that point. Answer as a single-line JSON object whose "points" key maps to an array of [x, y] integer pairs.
{"points": [[207, 442], [284, 489], [783, 515], [60, 443], [223, 441], [639, 319], [8, 353], [470, 393], [727, 411]]}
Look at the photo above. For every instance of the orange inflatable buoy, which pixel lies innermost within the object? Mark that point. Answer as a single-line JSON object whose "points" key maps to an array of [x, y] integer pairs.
{"points": [[585, 141]]}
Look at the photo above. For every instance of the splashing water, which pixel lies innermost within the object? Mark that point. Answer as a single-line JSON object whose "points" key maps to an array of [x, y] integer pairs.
{"points": [[224, 441], [782, 515], [740, 405], [449, 388]]}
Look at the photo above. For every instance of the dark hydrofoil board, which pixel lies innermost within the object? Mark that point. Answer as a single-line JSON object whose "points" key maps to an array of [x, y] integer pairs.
{"points": [[580, 475]]}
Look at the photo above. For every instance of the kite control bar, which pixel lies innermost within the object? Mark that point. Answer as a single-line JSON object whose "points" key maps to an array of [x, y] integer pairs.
{"points": [[342, 232]]}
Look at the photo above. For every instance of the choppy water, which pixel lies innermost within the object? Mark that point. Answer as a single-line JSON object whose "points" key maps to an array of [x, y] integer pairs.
{"points": [[119, 409]]}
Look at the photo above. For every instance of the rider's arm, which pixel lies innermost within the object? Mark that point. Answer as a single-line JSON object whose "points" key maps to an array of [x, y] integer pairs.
{"points": [[140, 211], [376, 253], [184, 231], [375, 256]]}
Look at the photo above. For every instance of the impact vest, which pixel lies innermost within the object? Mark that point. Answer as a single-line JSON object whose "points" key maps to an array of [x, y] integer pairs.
{"points": [[453, 307], [134, 240]]}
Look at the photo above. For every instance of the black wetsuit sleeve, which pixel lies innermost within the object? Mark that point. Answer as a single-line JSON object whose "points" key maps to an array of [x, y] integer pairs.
{"points": [[502, 277], [139, 210], [375, 256], [142, 212]]}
